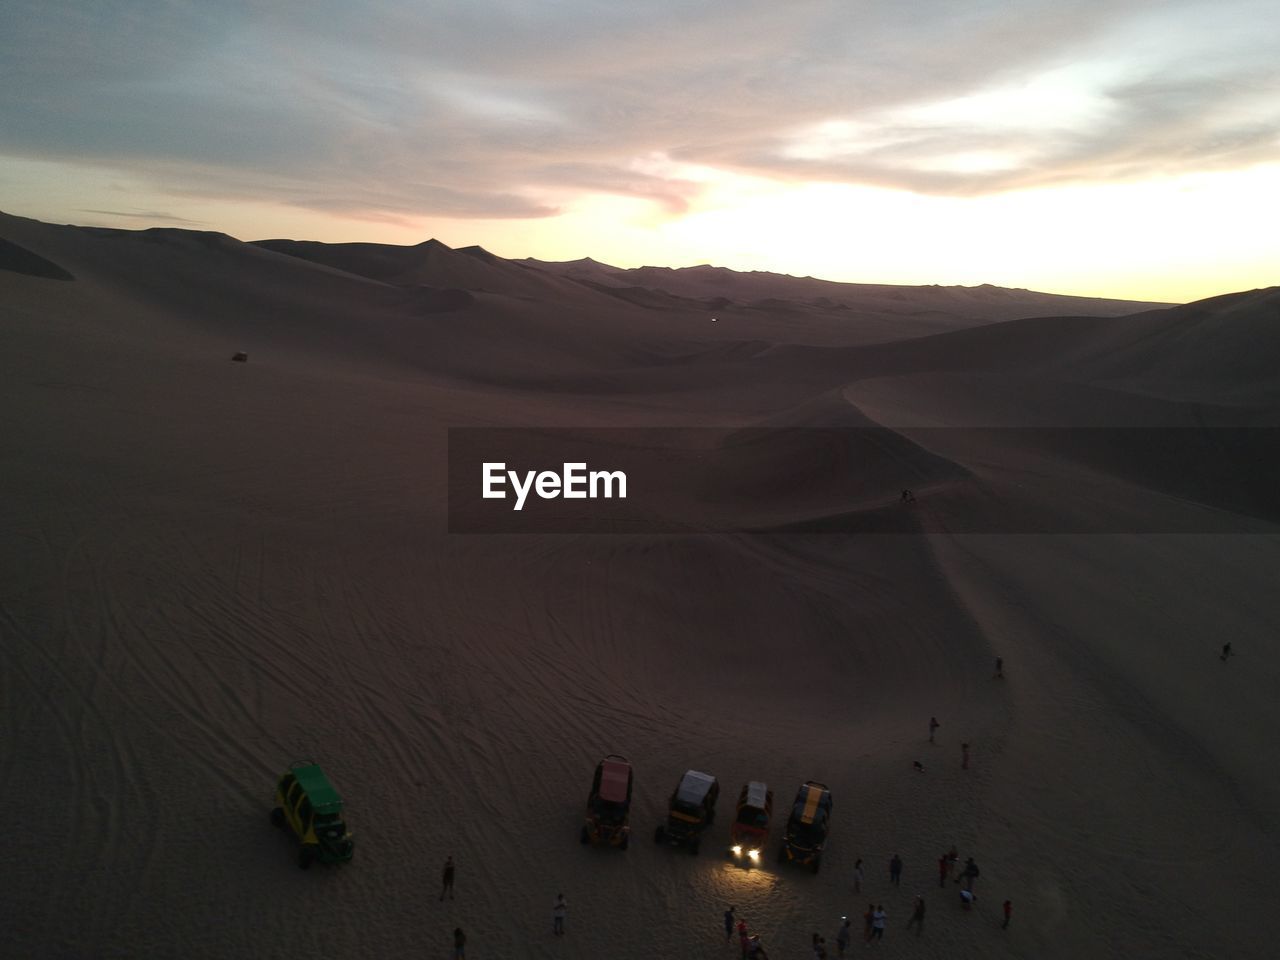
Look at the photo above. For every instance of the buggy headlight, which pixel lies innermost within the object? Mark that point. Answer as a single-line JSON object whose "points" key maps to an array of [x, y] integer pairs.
{"points": [[737, 850], [753, 854]]}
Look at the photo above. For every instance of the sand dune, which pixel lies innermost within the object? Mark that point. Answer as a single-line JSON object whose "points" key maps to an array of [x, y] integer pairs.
{"points": [[211, 569], [985, 302]]}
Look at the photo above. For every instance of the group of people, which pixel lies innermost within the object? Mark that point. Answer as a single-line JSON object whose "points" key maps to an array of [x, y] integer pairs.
{"points": [[752, 948], [559, 911], [875, 920]]}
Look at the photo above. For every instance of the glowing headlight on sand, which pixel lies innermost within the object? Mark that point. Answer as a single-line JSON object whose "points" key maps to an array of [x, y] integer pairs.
{"points": [[737, 850], [753, 854]]}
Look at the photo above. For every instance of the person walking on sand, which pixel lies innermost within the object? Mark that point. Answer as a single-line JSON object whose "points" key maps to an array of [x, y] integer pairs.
{"points": [[1226, 651], [964, 756], [944, 865], [999, 669], [917, 916], [744, 937], [447, 878], [459, 944], [1008, 913], [857, 876], [933, 726], [895, 871], [819, 948], [969, 874], [868, 919], [878, 920], [842, 937], [728, 925], [559, 910], [755, 949]]}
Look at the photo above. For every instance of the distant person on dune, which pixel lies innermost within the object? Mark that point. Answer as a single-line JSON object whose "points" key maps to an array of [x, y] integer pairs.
{"points": [[1226, 651], [857, 876], [842, 937], [728, 924], [944, 865], [878, 920], [744, 938], [999, 669], [755, 949], [559, 910], [459, 944], [895, 871], [868, 920], [969, 874], [933, 727], [447, 877], [967, 897], [964, 756], [908, 496], [1008, 914], [917, 916]]}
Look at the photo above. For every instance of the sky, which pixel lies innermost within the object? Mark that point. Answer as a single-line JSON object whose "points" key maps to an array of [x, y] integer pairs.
{"points": [[1126, 148]]}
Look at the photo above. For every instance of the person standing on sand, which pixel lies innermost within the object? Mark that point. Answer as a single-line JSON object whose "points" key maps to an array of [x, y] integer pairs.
{"points": [[1226, 651], [944, 865], [895, 871], [878, 920], [1008, 913], [559, 910], [868, 920], [999, 669], [842, 937], [933, 725], [728, 925], [459, 944], [969, 874], [917, 916], [857, 876], [964, 756], [744, 937], [819, 948], [447, 878]]}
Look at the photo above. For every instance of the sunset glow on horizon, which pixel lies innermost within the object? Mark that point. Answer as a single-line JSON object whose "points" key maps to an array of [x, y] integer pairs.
{"points": [[1120, 149]]}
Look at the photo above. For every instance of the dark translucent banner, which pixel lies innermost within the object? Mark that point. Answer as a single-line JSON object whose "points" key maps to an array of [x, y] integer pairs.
{"points": [[864, 480]]}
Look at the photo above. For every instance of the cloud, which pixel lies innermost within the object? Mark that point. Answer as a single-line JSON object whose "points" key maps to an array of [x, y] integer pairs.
{"points": [[505, 109], [149, 215]]}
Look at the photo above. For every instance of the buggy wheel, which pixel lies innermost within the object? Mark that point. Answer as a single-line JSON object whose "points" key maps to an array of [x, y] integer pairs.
{"points": [[305, 856], [584, 837], [277, 818]]}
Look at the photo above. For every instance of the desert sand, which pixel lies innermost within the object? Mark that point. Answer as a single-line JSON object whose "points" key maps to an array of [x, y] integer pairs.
{"points": [[211, 569]]}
